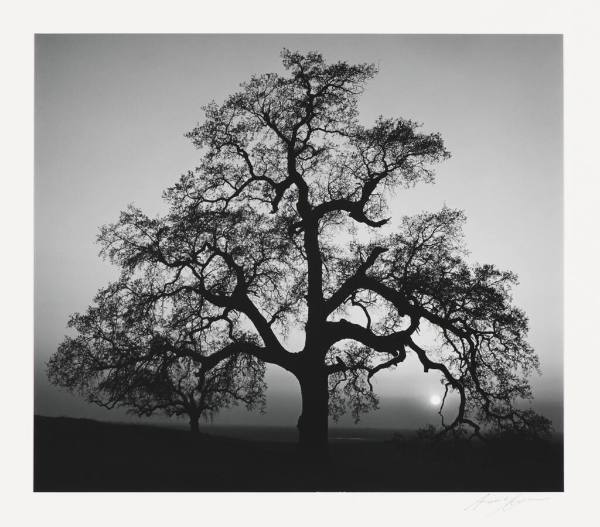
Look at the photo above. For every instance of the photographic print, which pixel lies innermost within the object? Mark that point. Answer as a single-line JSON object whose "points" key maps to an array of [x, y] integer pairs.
{"points": [[298, 263]]}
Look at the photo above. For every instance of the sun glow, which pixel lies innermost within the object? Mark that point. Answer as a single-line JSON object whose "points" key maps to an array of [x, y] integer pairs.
{"points": [[435, 400]]}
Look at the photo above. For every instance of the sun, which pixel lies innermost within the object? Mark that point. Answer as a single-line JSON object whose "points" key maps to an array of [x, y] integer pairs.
{"points": [[435, 400]]}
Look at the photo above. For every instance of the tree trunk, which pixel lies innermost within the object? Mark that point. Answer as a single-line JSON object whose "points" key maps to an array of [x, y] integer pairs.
{"points": [[194, 424], [313, 422]]}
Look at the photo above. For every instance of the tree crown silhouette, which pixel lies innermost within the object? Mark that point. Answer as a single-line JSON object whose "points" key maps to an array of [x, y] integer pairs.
{"points": [[284, 226], [122, 357]]}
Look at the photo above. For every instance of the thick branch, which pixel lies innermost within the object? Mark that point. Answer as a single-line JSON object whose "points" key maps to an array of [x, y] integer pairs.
{"points": [[392, 344], [353, 283]]}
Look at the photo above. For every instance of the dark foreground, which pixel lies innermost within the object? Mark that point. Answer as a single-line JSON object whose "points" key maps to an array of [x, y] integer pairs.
{"points": [[84, 455]]}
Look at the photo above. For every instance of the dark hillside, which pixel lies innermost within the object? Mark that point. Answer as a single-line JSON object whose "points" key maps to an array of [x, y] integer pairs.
{"points": [[85, 455]]}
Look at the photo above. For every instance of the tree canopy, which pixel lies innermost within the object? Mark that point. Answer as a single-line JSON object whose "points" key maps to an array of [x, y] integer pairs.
{"points": [[284, 225], [125, 354]]}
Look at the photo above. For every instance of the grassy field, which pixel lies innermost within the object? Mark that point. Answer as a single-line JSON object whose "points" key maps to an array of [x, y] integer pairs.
{"points": [[85, 455]]}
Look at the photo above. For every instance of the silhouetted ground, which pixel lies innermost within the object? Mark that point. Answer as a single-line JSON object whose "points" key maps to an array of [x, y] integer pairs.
{"points": [[84, 455]]}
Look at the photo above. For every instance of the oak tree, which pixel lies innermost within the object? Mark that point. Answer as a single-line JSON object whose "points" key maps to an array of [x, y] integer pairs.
{"points": [[284, 227], [124, 356]]}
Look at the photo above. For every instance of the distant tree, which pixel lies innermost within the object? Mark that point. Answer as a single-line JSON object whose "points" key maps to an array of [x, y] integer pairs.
{"points": [[122, 357], [283, 227], [183, 387]]}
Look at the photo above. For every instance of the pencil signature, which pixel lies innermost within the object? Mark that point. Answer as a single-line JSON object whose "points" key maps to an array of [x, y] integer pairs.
{"points": [[494, 504]]}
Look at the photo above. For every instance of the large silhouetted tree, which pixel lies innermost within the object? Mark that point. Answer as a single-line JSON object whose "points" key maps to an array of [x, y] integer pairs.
{"points": [[283, 227]]}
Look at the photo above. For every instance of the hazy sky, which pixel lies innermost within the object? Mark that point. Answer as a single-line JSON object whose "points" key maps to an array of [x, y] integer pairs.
{"points": [[111, 112]]}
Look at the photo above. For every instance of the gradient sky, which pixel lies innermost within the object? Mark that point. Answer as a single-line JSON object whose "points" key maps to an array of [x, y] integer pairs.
{"points": [[111, 112]]}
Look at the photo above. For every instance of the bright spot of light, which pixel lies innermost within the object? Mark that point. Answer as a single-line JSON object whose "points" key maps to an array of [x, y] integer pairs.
{"points": [[435, 400]]}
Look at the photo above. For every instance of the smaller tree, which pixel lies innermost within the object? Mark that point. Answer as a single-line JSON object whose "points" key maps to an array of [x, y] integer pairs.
{"points": [[153, 359], [185, 388]]}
